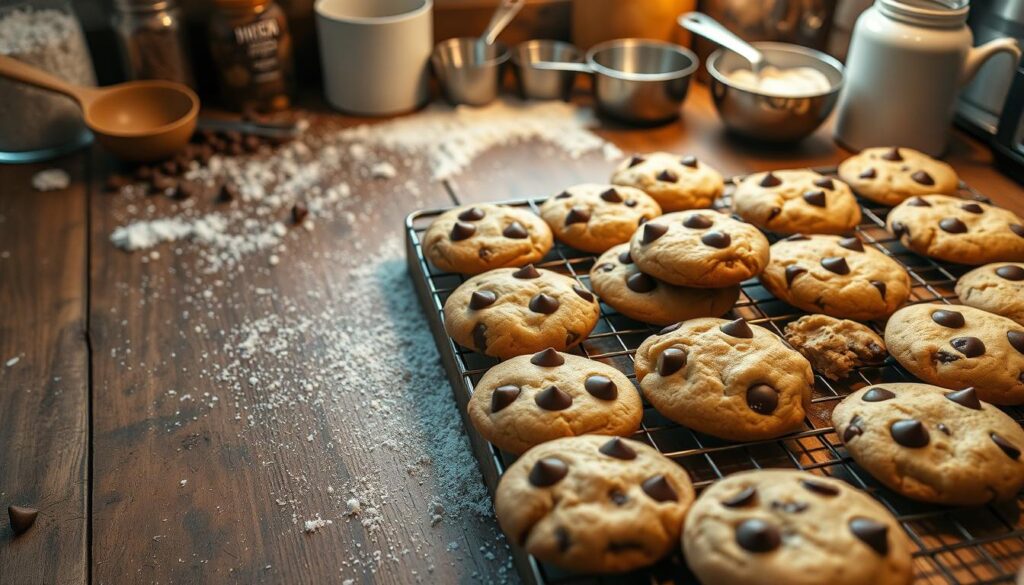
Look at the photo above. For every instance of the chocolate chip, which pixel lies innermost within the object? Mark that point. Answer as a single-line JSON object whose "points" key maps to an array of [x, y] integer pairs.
{"points": [[671, 361], [737, 328], [480, 337], [793, 272], [871, 533], [553, 398], [577, 215], [966, 397], [548, 358], [969, 346], [836, 264], [653, 231], [22, 518], [1006, 446], [923, 178], [796, 238], [1016, 339], [670, 328], [570, 338], [972, 208], [659, 489], [543, 303], [472, 214], [641, 221], [918, 202], [1017, 229], [868, 174], [770, 180], [790, 507], [853, 430], [824, 183], [773, 212], [300, 211], [741, 499], [818, 487], [611, 196], [601, 387], [945, 358], [606, 267], [548, 471], [630, 203], [1011, 272], [563, 195], [689, 161], [503, 396], [899, 229], [878, 395], [667, 176], [526, 272], [909, 433], [583, 293], [641, 283], [618, 497], [892, 155], [625, 258], [617, 448], [762, 399], [564, 541], [697, 221], [950, 319], [853, 243], [756, 535], [953, 225], [815, 198], [716, 239], [481, 299], [944, 429], [880, 286], [635, 160], [461, 230]]}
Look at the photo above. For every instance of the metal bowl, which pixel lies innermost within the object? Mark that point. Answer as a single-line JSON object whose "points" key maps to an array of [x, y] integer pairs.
{"points": [[773, 118], [541, 84], [469, 70], [641, 81]]}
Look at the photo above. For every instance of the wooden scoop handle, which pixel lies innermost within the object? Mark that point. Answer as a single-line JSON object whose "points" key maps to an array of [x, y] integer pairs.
{"points": [[19, 71]]}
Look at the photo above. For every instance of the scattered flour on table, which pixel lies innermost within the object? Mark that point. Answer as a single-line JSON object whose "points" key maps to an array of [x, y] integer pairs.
{"points": [[51, 180], [316, 524]]}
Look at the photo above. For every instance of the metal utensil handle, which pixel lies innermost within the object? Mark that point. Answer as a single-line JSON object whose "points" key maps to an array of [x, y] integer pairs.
{"points": [[712, 30], [561, 66], [256, 128], [503, 15]]}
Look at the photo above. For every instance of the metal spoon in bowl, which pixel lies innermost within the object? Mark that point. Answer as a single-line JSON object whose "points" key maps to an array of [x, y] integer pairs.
{"points": [[503, 14], [712, 30]]}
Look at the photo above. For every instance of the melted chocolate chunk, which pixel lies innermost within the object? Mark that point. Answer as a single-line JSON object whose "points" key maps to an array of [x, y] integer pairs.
{"points": [[617, 448], [950, 319], [671, 361], [966, 397], [548, 358], [653, 231], [472, 214], [836, 264], [625, 258], [1016, 339], [943, 357], [667, 176], [515, 231], [909, 433], [577, 215], [758, 536], [548, 471], [697, 221], [716, 239], [880, 286], [553, 398], [853, 243], [953, 225], [462, 230], [918, 202], [635, 160], [584, 294], [1011, 451], [878, 395], [480, 337], [815, 198], [481, 299], [893, 155], [770, 180], [601, 387], [820, 488], [874, 534], [969, 346], [526, 272], [923, 178], [1010, 272], [658, 488], [868, 173], [737, 328], [641, 283], [824, 183], [689, 161], [503, 396], [741, 499], [762, 399], [793, 272], [611, 196]]}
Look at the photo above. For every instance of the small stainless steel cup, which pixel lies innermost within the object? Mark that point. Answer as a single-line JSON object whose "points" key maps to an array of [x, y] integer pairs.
{"points": [[540, 84], [469, 70]]}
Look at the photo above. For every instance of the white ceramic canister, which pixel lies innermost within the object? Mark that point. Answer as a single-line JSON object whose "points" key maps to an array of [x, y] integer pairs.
{"points": [[375, 54], [908, 61]]}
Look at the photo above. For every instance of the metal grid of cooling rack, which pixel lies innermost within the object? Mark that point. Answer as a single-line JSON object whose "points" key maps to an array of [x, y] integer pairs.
{"points": [[951, 545]]}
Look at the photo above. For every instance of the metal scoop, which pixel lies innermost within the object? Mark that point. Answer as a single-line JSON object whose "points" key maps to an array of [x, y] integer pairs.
{"points": [[136, 121], [712, 30]]}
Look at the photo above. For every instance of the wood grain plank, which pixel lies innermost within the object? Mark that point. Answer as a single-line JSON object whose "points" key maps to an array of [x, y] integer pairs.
{"points": [[44, 375]]}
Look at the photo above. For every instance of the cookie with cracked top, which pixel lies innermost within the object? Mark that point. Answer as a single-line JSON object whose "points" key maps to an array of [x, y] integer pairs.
{"points": [[594, 504], [956, 346], [527, 400], [796, 201], [958, 230], [835, 346], [786, 526], [701, 249], [837, 276], [481, 237], [594, 217], [933, 444], [676, 182], [725, 378], [997, 288], [890, 175], [621, 284], [515, 311]]}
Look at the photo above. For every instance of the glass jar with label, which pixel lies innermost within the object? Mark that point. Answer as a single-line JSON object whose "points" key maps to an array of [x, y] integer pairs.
{"points": [[252, 50], [151, 36]]}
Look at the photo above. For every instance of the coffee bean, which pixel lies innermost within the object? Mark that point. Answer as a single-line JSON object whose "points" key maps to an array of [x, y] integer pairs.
{"points": [[824, 183], [527, 272], [635, 160], [872, 533], [515, 231], [1007, 447], [853, 243], [878, 284], [1016, 339], [950, 319], [553, 398], [671, 361], [793, 272], [697, 221], [625, 258], [966, 397], [22, 518], [868, 173], [923, 178], [741, 499], [770, 180], [667, 176], [969, 346], [461, 231], [480, 337], [878, 395], [1011, 272], [737, 328], [653, 231], [548, 358], [503, 396], [762, 399], [658, 488], [641, 283], [689, 161], [577, 215], [543, 303], [893, 155], [972, 208], [548, 471], [836, 264], [601, 387], [617, 448], [953, 225], [611, 196], [716, 240], [815, 198], [756, 535], [918, 202], [820, 488], [481, 299], [583, 293], [472, 214], [909, 433]]}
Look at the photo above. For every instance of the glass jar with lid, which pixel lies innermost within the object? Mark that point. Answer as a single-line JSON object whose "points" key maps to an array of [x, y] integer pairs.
{"points": [[152, 39]]}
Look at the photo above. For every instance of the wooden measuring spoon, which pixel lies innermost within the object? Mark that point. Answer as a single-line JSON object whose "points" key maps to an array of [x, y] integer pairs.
{"points": [[136, 121]]}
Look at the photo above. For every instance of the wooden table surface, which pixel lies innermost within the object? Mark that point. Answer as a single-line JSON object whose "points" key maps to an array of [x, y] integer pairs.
{"points": [[92, 338]]}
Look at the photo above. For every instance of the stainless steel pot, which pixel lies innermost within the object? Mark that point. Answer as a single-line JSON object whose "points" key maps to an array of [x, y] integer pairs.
{"points": [[638, 81]]}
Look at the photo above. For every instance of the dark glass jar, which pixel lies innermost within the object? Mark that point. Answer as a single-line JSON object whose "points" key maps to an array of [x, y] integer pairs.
{"points": [[252, 51]]}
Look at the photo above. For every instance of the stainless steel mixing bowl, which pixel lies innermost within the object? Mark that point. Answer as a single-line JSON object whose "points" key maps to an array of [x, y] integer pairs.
{"points": [[773, 118], [540, 84]]}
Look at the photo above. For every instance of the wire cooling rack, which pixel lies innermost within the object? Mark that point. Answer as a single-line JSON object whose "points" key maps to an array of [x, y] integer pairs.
{"points": [[951, 545]]}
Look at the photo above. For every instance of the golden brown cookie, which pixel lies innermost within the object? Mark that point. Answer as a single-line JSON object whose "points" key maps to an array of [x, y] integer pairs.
{"points": [[675, 182], [475, 239], [890, 175], [958, 230], [594, 217]]}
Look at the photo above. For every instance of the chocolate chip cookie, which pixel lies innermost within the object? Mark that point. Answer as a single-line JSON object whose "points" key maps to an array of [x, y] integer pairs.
{"points": [[471, 240], [702, 249], [527, 400], [785, 526], [676, 182], [837, 276], [725, 378], [835, 346], [594, 504], [889, 175], [997, 288], [619, 283], [958, 230], [515, 311], [798, 200], [933, 444], [956, 346], [595, 217]]}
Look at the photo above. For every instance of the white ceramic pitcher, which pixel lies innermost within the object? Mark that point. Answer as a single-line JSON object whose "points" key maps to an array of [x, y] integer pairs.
{"points": [[908, 61]]}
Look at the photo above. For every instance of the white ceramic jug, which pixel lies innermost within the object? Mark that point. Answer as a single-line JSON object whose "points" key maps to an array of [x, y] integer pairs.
{"points": [[907, 63]]}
